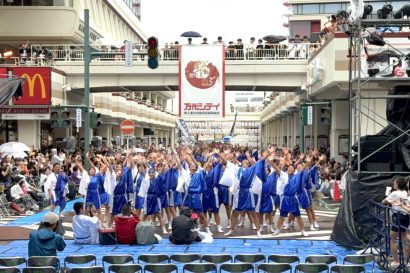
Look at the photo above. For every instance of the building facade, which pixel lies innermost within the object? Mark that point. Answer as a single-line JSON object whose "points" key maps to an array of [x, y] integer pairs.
{"points": [[31, 29]]}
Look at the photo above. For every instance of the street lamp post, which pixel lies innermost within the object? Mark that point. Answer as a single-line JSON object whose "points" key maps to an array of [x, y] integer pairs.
{"points": [[87, 60]]}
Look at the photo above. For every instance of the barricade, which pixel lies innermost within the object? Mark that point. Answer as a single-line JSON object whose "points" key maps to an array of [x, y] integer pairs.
{"points": [[381, 223]]}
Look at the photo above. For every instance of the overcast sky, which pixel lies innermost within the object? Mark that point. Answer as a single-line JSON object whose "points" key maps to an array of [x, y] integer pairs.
{"points": [[231, 19]]}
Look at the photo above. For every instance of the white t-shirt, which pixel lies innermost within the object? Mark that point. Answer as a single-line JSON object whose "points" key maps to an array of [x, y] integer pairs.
{"points": [[16, 192], [85, 229], [395, 198], [50, 184]]}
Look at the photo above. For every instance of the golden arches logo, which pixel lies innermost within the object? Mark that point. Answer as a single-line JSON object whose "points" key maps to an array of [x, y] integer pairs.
{"points": [[31, 80]]}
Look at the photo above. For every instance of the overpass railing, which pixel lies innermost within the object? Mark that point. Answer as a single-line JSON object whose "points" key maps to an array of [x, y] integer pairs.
{"points": [[381, 221], [47, 54]]}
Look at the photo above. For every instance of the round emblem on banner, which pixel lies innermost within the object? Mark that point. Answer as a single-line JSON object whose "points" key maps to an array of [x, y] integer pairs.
{"points": [[201, 74]]}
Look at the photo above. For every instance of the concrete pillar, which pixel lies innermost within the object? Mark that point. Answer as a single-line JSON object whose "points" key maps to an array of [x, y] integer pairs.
{"points": [[296, 126], [339, 126], [105, 131], [173, 137], [29, 133]]}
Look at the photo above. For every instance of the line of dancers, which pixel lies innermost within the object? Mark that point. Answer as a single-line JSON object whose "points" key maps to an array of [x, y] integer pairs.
{"points": [[159, 183]]}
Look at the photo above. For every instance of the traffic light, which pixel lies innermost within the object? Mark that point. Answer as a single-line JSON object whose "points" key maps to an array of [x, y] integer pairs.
{"points": [[95, 119], [153, 52], [60, 118]]}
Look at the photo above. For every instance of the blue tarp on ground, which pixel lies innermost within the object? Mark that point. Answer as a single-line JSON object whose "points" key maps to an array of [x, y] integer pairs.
{"points": [[229, 246], [36, 218]]}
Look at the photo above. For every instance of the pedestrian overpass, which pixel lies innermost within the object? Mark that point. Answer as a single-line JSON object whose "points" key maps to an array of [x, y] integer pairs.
{"points": [[274, 69]]}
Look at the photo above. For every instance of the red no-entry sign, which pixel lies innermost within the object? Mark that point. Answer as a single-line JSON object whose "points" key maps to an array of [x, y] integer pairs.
{"points": [[127, 127]]}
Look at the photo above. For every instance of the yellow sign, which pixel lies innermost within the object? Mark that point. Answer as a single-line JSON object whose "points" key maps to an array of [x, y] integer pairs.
{"points": [[31, 82]]}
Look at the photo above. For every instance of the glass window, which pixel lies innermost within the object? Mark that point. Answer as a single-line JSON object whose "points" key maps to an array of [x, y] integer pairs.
{"points": [[321, 8], [332, 8], [310, 9]]}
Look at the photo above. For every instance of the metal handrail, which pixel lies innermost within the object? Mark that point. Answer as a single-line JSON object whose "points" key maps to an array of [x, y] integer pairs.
{"points": [[75, 52]]}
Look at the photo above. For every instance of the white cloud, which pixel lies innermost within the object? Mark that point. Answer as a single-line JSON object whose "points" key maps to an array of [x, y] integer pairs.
{"points": [[231, 19]]}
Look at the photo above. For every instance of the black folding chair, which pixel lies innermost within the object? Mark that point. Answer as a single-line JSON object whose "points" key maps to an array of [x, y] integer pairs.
{"points": [[238, 267], [9, 269], [321, 259], [79, 259], [275, 268], [351, 268], [286, 259], [153, 258], [184, 258], [125, 268], [160, 268], [117, 259], [12, 261], [312, 268], [89, 269], [250, 258], [200, 267], [39, 269], [361, 259], [217, 258], [43, 261]]}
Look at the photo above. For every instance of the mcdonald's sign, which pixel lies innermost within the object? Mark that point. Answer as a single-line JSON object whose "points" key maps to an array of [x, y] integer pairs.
{"points": [[37, 87]]}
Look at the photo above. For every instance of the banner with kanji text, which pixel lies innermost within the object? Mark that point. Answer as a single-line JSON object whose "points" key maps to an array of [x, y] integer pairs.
{"points": [[202, 81]]}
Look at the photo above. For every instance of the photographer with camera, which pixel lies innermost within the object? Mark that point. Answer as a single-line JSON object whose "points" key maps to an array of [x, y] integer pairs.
{"points": [[45, 241], [183, 229], [85, 224]]}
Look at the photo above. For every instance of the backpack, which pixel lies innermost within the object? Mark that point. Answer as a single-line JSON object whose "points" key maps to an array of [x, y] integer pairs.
{"points": [[145, 234]]}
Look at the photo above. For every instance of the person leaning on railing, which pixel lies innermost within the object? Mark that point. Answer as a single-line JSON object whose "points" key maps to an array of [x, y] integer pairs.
{"points": [[400, 219]]}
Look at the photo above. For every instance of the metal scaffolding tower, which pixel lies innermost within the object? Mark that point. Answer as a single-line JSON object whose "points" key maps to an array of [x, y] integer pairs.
{"points": [[357, 110]]}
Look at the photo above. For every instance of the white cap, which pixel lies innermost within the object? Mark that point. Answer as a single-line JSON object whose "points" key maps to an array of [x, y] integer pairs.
{"points": [[50, 217]]}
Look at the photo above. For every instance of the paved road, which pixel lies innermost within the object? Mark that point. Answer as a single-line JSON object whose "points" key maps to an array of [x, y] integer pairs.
{"points": [[325, 215]]}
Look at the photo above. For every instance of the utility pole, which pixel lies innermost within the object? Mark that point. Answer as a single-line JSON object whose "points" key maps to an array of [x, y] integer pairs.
{"points": [[87, 60]]}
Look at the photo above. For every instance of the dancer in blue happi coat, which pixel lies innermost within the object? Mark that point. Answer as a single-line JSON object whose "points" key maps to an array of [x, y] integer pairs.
{"points": [[245, 195], [174, 197], [290, 182], [123, 187], [151, 189], [210, 200], [195, 189], [138, 178], [266, 204], [94, 186], [62, 180]]}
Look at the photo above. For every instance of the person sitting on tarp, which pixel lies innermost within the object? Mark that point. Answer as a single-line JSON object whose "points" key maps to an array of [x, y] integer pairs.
{"points": [[183, 229], [85, 225], [45, 241], [125, 224]]}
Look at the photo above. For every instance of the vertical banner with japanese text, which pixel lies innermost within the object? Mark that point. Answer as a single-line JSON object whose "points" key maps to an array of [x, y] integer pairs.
{"points": [[37, 86], [202, 81]]}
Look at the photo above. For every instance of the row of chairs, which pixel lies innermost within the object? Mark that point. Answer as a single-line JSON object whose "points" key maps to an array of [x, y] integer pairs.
{"points": [[119, 263], [198, 268]]}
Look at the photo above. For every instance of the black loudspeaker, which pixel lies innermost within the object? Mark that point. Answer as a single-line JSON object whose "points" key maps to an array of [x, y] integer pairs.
{"points": [[382, 160]]}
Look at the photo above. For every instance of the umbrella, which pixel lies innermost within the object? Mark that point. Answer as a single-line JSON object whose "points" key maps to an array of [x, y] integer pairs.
{"points": [[16, 149], [138, 150], [192, 34], [274, 39], [107, 42]]}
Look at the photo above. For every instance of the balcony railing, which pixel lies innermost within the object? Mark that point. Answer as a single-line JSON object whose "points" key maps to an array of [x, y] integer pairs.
{"points": [[75, 53]]}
